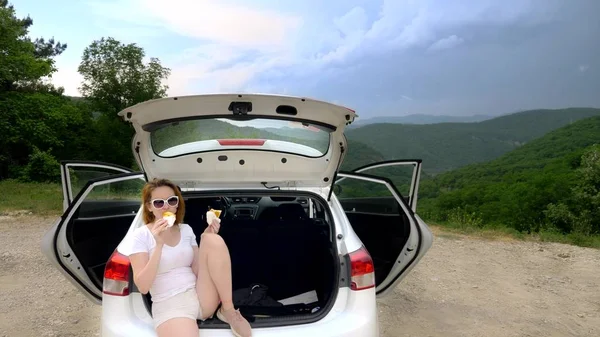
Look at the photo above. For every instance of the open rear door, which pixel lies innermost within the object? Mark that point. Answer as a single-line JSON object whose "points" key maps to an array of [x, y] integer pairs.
{"points": [[76, 173], [202, 141], [394, 235], [405, 174], [83, 239]]}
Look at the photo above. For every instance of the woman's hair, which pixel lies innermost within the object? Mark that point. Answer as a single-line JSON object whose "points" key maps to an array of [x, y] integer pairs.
{"points": [[147, 199]]}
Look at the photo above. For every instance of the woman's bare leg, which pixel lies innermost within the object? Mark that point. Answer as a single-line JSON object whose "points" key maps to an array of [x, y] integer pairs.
{"points": [[178, 327], [214, 283], [214, 274]]}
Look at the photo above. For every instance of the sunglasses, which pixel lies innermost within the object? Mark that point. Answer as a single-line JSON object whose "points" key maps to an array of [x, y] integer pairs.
{"points": [[160, 203]]}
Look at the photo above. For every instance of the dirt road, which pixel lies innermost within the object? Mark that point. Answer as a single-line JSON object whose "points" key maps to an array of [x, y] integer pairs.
{"points": [[463, 287]]}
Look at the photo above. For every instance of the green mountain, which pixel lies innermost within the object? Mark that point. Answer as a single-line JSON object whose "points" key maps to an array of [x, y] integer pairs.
{"points": [[516, 188], [447, 146], [420, 119], [359, 155]]}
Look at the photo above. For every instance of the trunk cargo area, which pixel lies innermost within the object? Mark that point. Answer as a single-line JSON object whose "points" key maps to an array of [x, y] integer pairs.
{"points": [[284, 263]]}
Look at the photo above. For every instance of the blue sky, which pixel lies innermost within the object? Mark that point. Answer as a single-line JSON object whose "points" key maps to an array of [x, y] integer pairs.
{"points": [[454, 57]]}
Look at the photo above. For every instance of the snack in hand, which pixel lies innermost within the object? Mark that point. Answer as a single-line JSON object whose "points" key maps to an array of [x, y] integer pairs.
{"points": [[170, 217], [213, 214]]}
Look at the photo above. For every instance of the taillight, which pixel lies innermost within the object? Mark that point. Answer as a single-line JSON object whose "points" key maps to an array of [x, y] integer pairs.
{"points": [[116, 275], [362, 270], [239, 142]]}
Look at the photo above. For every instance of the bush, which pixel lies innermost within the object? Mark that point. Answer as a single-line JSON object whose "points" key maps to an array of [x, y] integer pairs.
{"points": [[42, 167], [462, 217]]}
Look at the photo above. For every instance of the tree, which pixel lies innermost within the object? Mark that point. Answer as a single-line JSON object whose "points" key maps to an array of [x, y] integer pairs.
{"points": [[115, 77], [35, 119], [580, 212], [23, 62]]}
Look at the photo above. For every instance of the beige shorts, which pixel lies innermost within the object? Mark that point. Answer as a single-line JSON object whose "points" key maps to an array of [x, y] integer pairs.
{"points": [[184, 304]]}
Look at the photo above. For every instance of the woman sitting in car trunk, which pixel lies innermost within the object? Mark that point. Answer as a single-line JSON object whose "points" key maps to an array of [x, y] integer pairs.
{"points": [[187, 282]]}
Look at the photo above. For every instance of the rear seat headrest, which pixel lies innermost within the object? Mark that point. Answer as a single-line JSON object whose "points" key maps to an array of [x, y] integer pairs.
{"points": [[288, 211], [291, 211]]}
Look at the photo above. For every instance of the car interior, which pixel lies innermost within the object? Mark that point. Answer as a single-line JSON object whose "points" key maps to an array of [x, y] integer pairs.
{"points": [[272, 241]]}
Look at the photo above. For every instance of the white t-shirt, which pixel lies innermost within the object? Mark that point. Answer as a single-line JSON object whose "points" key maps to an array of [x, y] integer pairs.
{"points": [[174, 274]]}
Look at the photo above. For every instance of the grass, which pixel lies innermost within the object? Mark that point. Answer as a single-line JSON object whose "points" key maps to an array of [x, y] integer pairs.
{"points": [[38, 198], [47, 198], [453, 230]]}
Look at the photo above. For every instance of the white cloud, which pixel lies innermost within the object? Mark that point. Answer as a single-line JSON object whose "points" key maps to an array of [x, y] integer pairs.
{"points": [[353, 27], [583, 68], [446, 43], [418, 23], [239, 44], [129, 33], [210, 20], [236, 41], [218, 68]]}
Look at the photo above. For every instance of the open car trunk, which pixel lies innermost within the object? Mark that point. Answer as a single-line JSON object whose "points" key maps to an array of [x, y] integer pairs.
{"points": [[285, 264], [275, 241], [284, 261], [281, 241]]}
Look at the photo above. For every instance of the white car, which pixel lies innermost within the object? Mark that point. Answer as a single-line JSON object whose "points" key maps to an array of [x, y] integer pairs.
{"points": [[306, 261]]}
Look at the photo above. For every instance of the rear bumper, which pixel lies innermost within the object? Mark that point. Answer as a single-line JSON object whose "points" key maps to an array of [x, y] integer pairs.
{"points": [[354, 314]]}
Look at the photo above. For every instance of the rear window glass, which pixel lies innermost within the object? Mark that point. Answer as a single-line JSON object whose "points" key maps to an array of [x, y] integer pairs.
{"points": [[192, 136]]}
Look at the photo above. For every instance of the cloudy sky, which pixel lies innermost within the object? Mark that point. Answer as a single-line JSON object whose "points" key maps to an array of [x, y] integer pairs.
{"points": [[396, 57]]}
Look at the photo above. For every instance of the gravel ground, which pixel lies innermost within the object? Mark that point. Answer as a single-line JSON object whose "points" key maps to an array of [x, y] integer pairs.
{"points": [[463, 287]]}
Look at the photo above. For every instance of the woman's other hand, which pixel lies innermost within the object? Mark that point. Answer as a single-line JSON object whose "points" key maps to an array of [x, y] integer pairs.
{"points": [[158, 229]]}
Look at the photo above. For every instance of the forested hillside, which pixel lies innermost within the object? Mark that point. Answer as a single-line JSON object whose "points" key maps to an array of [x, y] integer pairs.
{"points": [[419, 119], [553, 181], [447, 146]]}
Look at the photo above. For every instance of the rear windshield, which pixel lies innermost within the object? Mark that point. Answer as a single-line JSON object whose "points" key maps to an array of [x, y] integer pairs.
{"points": [[192, 136]]}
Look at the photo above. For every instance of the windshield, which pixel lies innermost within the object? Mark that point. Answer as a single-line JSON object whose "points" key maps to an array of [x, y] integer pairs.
{"points": [[192, 136]]}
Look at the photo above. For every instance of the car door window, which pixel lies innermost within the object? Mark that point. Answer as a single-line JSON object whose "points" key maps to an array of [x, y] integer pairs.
{"points": [[384, 223], [76, 174], [404, 174]]}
